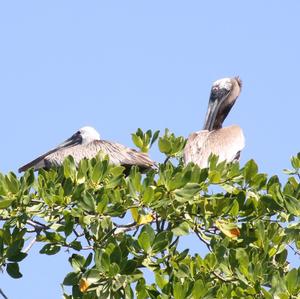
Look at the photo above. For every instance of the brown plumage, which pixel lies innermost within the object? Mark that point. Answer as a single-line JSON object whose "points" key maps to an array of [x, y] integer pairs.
{"points": [[86, 143], [227, 142]]}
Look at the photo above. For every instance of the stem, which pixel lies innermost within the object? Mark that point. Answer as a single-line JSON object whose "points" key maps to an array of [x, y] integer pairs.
{"points": [[167, 159], [222, 278], [174, 242], [198, 234], [30, 245], [296, 252], [3, 295]]}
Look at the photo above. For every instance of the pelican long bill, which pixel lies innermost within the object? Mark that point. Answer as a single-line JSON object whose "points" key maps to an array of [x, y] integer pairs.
{"points": [[217, 96]]}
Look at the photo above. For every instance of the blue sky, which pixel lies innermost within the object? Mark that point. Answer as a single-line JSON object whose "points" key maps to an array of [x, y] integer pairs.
{"points": [[120, 65]]}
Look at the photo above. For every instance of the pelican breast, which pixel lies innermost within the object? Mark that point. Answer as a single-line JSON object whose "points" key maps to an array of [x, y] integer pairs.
{"points": [[226, 143]]}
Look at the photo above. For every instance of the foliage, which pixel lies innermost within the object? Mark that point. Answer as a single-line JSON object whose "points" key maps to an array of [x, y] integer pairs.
{"points": [[246, 221]]}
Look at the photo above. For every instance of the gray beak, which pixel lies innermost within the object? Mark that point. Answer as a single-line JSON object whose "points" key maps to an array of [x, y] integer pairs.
{"points": [[75, 139], [217, 96]]}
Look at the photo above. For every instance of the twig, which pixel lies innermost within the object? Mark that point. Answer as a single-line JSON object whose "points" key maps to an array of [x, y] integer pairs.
{"points": [[202, 239], [78, 235], [132, 224], [174, 242], [4, 218], [129, 227], [125, 228], [296, 252], [82, 248], [37, 225], [222, 278], [30, 245], [167, 159], [162, 225], [3, 295], [157, 222]]}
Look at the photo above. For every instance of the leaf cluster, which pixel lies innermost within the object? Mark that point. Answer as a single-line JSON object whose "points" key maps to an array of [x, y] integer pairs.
{"points": [[118, 227]]}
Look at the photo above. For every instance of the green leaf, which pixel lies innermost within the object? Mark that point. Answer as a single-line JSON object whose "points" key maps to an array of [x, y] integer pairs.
{"points": [[149, 231], [77, 261], [164, 146], [92, 276], [160, 280], [214, 176], [188, 191], [18, 257], [71, 279], [69, 167], [144, 241], [14, 251], [179, 291], [76, 245], [137, 140], [182, 229], [199, 289], [102, 205], [87, 203], [104, 262], [12, 183], [292, 281], [148, 195], [13, 270], [114, 269], [141, 289], [154, 138], [292, 204], [88, 260], [161, 241], [129, 267], [250, 170], [117, 170], [295, 161], [5, 203], [97, 172], [50, 249]]}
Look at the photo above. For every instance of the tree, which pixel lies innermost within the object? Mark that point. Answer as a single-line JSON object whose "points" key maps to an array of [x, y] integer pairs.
{"points": [[117, 225]]}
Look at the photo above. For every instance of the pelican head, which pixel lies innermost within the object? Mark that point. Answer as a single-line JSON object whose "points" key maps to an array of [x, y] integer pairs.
{"points": [[88, 134], [84, 135], [224, 93]]}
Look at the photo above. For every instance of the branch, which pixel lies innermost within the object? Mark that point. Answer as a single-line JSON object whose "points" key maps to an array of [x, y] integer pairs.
{"points": [[4, 218], [222, 278], [3, 295], [296, 252], [174, 242], [125, 228], [167, 159], [197, 232], [30, 245], [37, 225], [129, 227], [82, 248]]}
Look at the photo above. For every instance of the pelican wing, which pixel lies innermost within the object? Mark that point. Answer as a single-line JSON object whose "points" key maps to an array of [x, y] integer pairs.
{"points": [[39, 162], [225, 143], [118, 154]]}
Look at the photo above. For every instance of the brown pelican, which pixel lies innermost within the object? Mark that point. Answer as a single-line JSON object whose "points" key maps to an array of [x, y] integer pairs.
{"points": [[227, 142], [86, 143]]}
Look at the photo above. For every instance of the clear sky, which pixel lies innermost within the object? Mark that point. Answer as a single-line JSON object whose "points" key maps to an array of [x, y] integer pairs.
{"points": [[120, 65]]}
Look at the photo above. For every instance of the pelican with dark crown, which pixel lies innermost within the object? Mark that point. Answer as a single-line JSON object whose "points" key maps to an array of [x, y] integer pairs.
{"points": [[226, 142], [86, 143]]}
